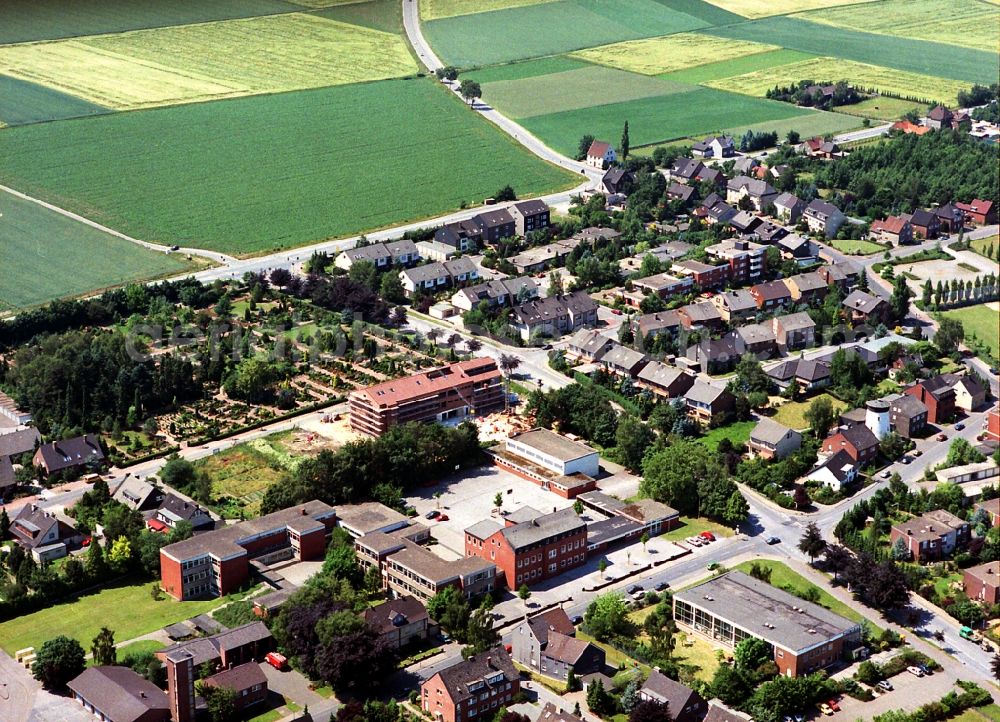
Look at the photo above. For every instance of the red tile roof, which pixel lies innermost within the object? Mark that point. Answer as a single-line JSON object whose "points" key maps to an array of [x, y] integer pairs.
{"points": [[431, 381]]}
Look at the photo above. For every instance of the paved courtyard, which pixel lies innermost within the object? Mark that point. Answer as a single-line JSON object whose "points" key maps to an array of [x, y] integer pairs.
{"points": [[909, 693]]}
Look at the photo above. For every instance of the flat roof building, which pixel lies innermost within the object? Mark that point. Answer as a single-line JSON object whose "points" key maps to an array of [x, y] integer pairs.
{"points": [[448, 392], [734, 606]]}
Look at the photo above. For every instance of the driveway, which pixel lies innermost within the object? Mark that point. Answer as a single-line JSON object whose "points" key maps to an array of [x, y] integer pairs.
{"points": [[17, 690]]}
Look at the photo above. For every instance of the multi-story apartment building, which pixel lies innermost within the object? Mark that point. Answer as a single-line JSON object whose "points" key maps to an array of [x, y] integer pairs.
{"points": [[526, 552], [529, 216], [933, 536], [453, 391], [473, 689], [554, 316], [745, 259], [218, 562]]}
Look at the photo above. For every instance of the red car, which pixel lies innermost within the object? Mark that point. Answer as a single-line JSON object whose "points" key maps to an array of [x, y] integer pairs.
{"points": [[941, 437], [707, 535], [616, 311], [85, 542], [276, 660], [443, 517], [833, 705]]}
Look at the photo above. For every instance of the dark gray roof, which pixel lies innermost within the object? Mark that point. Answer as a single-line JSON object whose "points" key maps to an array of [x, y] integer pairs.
{"points": [[554, 306], [795, 321], [565, 648], [19, 441], [395, 613], [239, 678], [771, 431], [483, 529], [821, 209], [860, 436], [787, 200], [465, 679], [909, 406], [771, 290], [840, 464], [205, 649], [863, 302], [737, 300], [6, 473], [121, 695], [686, 167], [524, 535], [530, 208], [68, 453], [550, 713], [181, 508], [660, 374], [705, 393], [492, 219], [674, 694]]}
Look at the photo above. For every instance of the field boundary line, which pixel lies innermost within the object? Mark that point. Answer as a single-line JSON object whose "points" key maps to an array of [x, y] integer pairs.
{"points": [[148, 245]]}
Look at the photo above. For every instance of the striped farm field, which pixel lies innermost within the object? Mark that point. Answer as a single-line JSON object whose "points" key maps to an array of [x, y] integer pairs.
{"points": [[656, 119], [737, 66], [908, 54], [550, 28], [970, 23], [653, 56], [266, 172], [806, 125], [764, 8], [210, 60], [526, 69], [573, 89], [434, 9], [23, 102], [45, 255], [885, 80], [26, 20]]}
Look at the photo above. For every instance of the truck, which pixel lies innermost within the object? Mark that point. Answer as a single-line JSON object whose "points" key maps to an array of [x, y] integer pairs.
{"points": [[276, 660]]}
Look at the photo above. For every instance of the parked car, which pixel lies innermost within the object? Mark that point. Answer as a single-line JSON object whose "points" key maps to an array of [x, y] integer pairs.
{"points": [[278, 661], [924, 668], [833, 705], [824, 708], [915, 670], [660, 586], [634, 589], [442, 517], [918, 452], [707, 535], [959, 426], [432, 514], [576, 620], [886, 474], [906, 460], [616, 311], [885, 684], [773, 540], [941, 437]]}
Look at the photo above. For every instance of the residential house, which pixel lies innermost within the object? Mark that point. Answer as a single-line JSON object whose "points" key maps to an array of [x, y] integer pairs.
{"points": [[616, 181], [399, 622], [770, 233], [865, 308], [938, 395], [858, 441], [137, 494], [746, 165], [760, 192], [719, 213], [700, 315], [497, 292], [794, 331], [546, 644], [472, 689], [982, 583], [798, 248], [823, 218], [705, 276], [45, 535], [969, 393], [533, 260], [992, 507], [932, 536], [714, 355], [588, 345], [173, 510], [746, 259], [908, 128], [719, 712], [835, 471], [924, 223], [435, 251], [817, 147], [809, 374], [745, 223], [8, 478], [463, 236], [979, 212], [715, 147], [117, 694], [843, 275], [662, 284], [680, 192], [704, 401], [788, 208], [70, 455], [950, 217], [991, 426], [807, 287], [771, 295], [736, 306], [600, 154], [651, 325], [593, 234], [529, 216], [554, 316], [939, 117], [551, 713], [495, 225], [758, 339], [623, 361], [771, 440], [685, 170], [895, 230], [666, 381], [908, 416], [683, 703], [434, 277], [381, 255], [247, 681]]}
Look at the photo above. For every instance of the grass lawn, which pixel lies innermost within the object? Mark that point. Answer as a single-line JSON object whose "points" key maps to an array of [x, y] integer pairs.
{"points": [[865, 75], [695, 526], [613, 657], [989, 713], [782, 576], [698, 652], [792, 413], [916, 56], [140, 647], [45, 255], [818, 122], [969, 23], [738, 433], [883, 108], [859, 248], [982, 246], [654, 56], [550, 28], [127, 609], [980, 320], [338, 161]]}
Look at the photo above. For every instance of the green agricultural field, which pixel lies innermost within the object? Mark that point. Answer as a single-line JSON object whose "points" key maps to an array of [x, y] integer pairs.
{"points": [[653, 56], [435, 9], [763, 8], [45, 255], [970, 23], [653, 120], [573, 90], [211, 60], [126, 608], [26, 20], [886, 80], [550, 28], [385, 15], [274, 171], [807, 125], [915, 56], [22, 102], [737, 66], [982, 320], [525, 69], [710, 13], [883, 108]]}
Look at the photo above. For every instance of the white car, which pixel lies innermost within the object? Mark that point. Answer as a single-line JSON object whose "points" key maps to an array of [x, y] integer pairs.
{"points": [[915, 671], [694, 541]]}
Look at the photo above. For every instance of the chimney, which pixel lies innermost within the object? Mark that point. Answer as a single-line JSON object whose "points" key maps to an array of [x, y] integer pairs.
{"points": [[302, 511]]}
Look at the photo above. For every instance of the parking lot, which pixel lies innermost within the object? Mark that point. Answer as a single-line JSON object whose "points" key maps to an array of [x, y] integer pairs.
{"points": [[909, 692]]}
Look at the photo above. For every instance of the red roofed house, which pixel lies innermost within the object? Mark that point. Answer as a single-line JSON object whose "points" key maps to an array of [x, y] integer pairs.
{"points": [[600, 154], [979, 212], [908, 127], [938, 395], [894, 229]]}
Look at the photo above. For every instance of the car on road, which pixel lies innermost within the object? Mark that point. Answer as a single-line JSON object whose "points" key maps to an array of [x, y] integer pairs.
{"points": [[886, 474], [959, 426], [824, 708], [634, 589], [442, 517], [941, 437], [906, 460], [885, 684], [660, 586], [915, 670], [918, 452], [772, 540], [616, 311], [432, 514], [708, 536]]}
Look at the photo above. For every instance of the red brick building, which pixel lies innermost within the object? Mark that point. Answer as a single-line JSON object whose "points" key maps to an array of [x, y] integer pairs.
{"points": [[982, 583], [473, 689], [216, 563], [979, 212], [531, 547], [993, 424], [453, 391], [938, 395], [858, 441], [933, 536]]}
